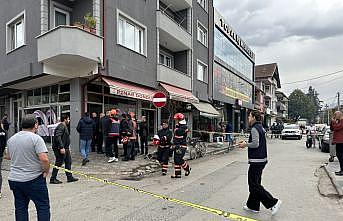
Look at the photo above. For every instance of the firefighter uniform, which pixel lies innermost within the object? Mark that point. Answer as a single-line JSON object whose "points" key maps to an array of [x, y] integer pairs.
{"points": [[180, 147], [165, 136]]}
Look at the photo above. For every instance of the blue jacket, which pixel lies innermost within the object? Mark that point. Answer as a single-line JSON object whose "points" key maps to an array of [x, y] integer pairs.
{"points": [[86, 128], [257, 146]]}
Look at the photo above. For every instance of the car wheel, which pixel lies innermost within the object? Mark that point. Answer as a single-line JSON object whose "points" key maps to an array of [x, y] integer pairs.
{"points": [[282, 138]]}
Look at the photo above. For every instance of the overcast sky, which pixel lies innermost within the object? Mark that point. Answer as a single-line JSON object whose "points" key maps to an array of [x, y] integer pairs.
{"points": [[304, 37]]}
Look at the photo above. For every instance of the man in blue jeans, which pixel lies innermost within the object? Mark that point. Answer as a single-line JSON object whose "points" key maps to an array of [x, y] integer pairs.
{"points": [[29, 168], [86, 128]]}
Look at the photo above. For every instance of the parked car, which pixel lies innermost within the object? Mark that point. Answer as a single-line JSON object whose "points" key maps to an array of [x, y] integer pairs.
{"points": [[325, 141], [291, 131]]}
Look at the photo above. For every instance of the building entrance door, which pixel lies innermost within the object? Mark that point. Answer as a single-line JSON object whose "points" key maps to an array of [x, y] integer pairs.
{"points": [[150, 118]]}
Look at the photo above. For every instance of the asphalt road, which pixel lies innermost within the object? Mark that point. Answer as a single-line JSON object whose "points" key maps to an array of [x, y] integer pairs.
{"points": [[218, 182]]}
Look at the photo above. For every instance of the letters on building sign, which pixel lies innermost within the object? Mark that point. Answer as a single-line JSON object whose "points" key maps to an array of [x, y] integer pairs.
{"points": [[132, 94], [220, 22]]}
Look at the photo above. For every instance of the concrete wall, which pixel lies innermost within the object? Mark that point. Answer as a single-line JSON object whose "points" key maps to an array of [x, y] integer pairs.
{"points": [[124, 63], [200, 52], [21, 62]]}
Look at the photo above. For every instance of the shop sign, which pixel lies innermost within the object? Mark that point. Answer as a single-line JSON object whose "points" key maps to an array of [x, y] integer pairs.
{"points": [[132, 94], [231, 34]]}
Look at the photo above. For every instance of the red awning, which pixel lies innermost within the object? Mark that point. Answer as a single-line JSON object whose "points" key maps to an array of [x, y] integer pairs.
{"points": [[129, 90], [179, 94]]}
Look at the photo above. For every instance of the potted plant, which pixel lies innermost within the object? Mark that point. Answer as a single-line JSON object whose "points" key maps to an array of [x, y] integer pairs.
{"points": [[90, 23], [78, 24]]}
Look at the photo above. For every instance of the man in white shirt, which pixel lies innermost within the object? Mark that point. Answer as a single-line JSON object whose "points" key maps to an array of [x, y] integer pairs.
{"points": [[29, 168]]}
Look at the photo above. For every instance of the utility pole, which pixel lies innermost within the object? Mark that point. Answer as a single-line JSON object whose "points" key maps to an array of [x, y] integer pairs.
{"points": [[327, 109], [338, 103]]}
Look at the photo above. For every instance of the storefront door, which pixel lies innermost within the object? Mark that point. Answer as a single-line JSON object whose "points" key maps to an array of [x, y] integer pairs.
{"points": [[150, 117]]}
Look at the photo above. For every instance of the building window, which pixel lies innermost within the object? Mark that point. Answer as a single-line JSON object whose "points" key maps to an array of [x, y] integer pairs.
{"points": [[202, 34], [203, 4], [61, 17], [131, 35], [267, 89], [201, 71], [15, 32], [166, 60]]}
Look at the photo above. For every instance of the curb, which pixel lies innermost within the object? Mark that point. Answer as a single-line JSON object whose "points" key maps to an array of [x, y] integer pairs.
{"points": [[334, 182]]}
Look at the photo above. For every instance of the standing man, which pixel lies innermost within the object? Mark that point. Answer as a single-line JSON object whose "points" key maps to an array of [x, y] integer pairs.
{"points": [[143, 135], [123, 133], [95, 132], [101, 134], [337, 128], [165, 136], [112, 127], [180, 146], [2, 150], [257, 154], [85, 127], [29, 168], [60, 146], [5, 124]]}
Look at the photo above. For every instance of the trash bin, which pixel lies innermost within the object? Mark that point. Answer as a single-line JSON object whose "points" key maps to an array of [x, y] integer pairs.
{"points": [[332, 148]]}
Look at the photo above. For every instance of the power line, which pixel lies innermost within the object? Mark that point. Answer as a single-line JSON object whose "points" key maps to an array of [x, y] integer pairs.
{"points": [[314, 78]]}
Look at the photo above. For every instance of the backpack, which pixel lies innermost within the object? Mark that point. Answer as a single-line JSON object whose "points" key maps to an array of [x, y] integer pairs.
{"points": [[114, 128]]}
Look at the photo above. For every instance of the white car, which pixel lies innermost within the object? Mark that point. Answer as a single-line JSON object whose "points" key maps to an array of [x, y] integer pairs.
{"points": [[291, 131]]}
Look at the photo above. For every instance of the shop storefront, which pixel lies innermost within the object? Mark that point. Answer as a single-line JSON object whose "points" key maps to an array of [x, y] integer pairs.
{"points": [[104, 94], [179, 100]]}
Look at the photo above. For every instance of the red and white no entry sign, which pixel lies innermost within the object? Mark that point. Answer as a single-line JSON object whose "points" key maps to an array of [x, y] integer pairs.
{"points": [[159, 99]]}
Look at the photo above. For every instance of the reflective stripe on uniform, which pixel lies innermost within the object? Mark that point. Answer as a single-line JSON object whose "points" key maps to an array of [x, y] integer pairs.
{"points": [[258, 160]]}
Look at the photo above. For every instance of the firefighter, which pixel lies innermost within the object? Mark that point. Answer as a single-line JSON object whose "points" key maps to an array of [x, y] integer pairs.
{"points": [[180, 145], [163, 141]]}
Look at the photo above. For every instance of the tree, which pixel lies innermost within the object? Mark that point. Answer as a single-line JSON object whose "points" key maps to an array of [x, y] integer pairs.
{"points": [[298, 105], [312, 94], [303, 105]]}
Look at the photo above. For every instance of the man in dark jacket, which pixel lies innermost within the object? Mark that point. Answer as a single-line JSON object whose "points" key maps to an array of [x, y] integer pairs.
{"points": [[60, 146], [85, 127], [101, 134], [336, 127], [2, 149], [257, 154], [127, 133], [95, 132], [112, 128], [143, 136]]}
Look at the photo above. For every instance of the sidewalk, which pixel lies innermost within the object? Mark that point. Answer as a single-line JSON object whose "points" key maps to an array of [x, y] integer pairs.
{"points": [[337, 181], [134, 169]]}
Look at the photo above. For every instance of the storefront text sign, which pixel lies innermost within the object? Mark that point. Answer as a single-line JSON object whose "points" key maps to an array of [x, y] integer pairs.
{"points": [[231, 34], [132, 94]]}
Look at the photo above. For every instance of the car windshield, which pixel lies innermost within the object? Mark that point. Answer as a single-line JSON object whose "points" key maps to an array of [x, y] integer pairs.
{"points": [[292, 127]]}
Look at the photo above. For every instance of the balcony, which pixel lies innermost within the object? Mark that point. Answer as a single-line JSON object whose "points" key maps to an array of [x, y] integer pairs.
{"points": [[173, 77], [69, 51], [172, 35], [178, 5]]}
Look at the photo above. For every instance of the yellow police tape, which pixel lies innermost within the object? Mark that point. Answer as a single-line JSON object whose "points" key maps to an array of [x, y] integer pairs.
{"points": [[218, 212]]}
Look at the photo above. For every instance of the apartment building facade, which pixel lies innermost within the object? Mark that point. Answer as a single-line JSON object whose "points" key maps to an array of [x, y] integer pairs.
{"points": [[50, 64], [268, 79]]}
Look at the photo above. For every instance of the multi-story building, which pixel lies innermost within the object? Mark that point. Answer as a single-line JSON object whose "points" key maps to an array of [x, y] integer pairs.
{"points": [[233, 74], [267, 78], [259, 99], [281, 106], [128, 50]]}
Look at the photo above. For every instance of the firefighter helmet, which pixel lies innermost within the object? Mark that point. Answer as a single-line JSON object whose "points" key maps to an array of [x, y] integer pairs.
{"points": [[113, 112], [156, 140], [179, 116]]}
